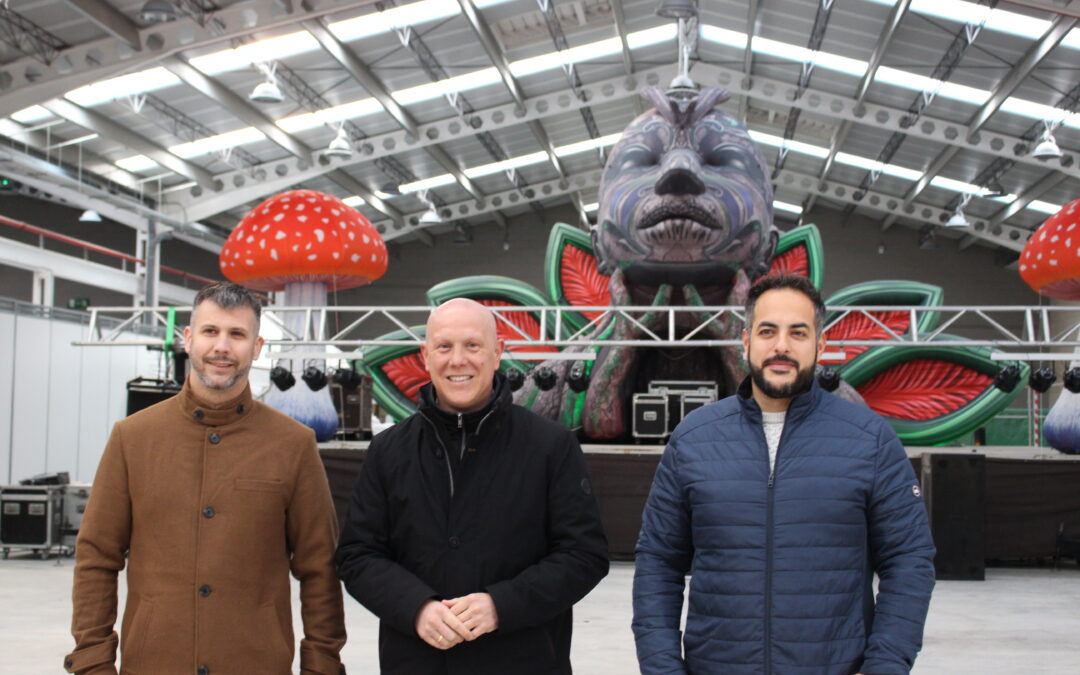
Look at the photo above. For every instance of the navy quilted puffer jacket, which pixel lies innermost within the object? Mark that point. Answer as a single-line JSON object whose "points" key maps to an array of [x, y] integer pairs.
{"points": [[781, 566]]}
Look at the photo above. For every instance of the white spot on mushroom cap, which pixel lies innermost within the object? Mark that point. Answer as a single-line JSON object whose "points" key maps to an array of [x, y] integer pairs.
{"points": [[336, 255], [280, 234], [300, 207], [373, 257], [355, 257], [273, 253], [265, 228], [307, 247], [302, 219], [262, 243], [249, 262], [251, 239], [352, 235], [312, 256], [278, 217], [296, 247], [367, 239], [1053, 262], [320, 235]]}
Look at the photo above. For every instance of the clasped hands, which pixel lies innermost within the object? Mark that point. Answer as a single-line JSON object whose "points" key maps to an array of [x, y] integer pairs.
{"points": [[447, 623]]}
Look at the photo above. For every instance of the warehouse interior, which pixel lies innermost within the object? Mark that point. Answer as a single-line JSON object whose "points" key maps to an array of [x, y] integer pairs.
{"points": [[926, 141]]}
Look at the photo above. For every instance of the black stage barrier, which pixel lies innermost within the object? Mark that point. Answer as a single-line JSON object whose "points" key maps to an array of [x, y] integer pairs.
{"points": [[1025, 499]]}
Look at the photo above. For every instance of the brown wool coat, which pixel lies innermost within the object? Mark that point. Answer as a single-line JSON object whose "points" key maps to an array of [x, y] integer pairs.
{"points": [[209, 502]]}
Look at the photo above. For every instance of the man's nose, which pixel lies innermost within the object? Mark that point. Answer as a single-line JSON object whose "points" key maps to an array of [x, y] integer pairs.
{"points": [[681, 170]]}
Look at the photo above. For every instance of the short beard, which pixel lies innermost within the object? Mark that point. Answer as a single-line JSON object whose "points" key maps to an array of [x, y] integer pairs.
{"points": [[226, 385], [804, 380]]}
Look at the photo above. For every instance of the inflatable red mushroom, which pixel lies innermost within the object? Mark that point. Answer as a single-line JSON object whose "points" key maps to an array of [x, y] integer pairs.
{"points": [[304, 243], [1050, 262]]}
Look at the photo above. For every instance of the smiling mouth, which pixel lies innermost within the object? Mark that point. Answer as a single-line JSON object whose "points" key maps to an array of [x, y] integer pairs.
{"points": [[460, 378]]}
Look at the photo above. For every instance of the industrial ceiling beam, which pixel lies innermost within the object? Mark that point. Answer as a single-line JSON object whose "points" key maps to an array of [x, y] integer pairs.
{"points": [[96, 122], [109, 19], [753, 8], [1036, 190], [235, 105], [26, 81]]}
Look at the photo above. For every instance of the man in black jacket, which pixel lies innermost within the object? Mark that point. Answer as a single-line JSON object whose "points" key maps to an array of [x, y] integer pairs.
{"points": [[472, 528]]}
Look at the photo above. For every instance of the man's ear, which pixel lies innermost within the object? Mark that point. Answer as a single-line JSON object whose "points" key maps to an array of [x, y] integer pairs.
{"points": [[259, 342], [187, 339], [423, 355], [500, 345]]}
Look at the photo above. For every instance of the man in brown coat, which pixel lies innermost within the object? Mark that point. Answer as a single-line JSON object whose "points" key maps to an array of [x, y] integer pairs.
{"points": [[213, 498]]}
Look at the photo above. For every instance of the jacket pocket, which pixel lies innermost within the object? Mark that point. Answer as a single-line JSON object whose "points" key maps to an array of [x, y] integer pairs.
{"points": [[260, 485], [133, 638]]}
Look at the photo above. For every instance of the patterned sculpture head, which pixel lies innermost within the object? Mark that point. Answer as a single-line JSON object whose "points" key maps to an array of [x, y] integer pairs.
{"points": [[685, 197]]}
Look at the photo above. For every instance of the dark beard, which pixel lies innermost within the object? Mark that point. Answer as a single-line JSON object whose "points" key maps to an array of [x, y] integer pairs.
{"points": [[804, 379]]}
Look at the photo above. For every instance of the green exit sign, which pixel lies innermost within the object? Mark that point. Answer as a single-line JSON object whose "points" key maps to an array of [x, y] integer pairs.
{"points": [[78, 303]]}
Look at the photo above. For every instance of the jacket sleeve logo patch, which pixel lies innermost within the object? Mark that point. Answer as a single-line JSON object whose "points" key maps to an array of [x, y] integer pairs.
{"points": [[916, 491]]}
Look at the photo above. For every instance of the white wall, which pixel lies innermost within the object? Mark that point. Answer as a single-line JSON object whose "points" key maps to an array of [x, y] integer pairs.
{"points": [[58, 402]]}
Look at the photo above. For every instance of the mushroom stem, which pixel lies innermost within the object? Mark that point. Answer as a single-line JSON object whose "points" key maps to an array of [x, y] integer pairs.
{"points": [[313, 408]]}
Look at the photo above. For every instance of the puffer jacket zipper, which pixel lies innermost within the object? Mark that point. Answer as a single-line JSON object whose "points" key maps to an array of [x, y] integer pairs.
{"points": [[449, 471]]}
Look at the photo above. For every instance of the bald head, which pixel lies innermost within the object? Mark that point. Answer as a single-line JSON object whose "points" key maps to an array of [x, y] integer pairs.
{"points": [[461, 352], [463, 311]]}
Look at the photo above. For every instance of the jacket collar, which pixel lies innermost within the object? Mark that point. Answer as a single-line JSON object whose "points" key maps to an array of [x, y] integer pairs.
{"points": [[214, 415], [800, 406], [501, 400]]}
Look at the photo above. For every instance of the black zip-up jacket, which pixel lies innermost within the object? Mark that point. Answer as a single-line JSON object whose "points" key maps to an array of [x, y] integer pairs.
{"points": [[515, 518]]}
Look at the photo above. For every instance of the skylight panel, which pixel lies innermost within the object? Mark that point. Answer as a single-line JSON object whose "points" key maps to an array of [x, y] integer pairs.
{"points": [[426, 183], [785, 206], [141, 82], [412, 14], [229, 139], [914, 82], [797, 146], [1044, 207], [589, 208], [507, 164], [136, 163], [451, 85], [345, 111], [556, 59], [590, 144], [262, 51], [354, 201], [875, 165], [34, 113], [999, 20]]}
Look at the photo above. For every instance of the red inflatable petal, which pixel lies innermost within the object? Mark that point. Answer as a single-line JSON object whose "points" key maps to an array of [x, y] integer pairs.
{"points": [[408, 374], [858, 326], [524, 321], [582, 283], [923, 389], [795, 260]]}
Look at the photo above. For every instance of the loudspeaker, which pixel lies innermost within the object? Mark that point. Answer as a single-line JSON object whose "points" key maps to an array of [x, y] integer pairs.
{"points": [[143, 393], [954, 488]]}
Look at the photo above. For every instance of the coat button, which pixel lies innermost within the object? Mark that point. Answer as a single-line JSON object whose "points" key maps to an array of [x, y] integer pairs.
{"points": [[203, 670], [438, 454], [240, 409], [199, 414], [209, 512], [454, 542], [204, 590], [67, 663], [215, 438]]}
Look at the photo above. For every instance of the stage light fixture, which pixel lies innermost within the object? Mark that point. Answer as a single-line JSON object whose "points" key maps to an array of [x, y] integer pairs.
{"points": [[282, 378], [1041, 380], [828, 379], [515, 378], [1047, 148], [1007, 378], [1072, 380], [90, 216], [677, 9], [577, 379], [315, 378], [544, 377], [348, 378], [340, 146], [267, 92]]}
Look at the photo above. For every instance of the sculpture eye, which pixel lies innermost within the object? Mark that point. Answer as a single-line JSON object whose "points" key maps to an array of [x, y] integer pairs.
{"points": [[638, 158], [726, 158]]}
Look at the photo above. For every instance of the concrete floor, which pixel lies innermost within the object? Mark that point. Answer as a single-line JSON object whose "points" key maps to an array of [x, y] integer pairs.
{"points": [[1017, 621]]}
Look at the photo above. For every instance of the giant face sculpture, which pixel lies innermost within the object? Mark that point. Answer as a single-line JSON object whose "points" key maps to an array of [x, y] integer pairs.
{"points": [[685, 198]]}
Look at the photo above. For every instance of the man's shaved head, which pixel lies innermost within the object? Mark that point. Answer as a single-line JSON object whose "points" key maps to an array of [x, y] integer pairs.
{"points": [[461, 353], [463, 309]]}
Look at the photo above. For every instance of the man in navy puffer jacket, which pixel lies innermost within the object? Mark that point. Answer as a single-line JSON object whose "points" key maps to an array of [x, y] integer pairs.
{"points": [[781, 503]]}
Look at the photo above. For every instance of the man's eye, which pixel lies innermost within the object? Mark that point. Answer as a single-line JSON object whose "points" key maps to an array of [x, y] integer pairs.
{"points": [[636, 158], [725, 158]]}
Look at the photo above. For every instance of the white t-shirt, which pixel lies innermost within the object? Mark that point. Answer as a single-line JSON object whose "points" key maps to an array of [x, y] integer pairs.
{"points": [[773, 423]]}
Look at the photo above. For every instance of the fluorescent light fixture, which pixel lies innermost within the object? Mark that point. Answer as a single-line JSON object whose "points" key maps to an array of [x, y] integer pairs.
{"points": [[652, 36], [141, 82], [136, 163], [90, 216], [262, 51], [229, 139], [589, 208], [875, 165], [34, 113], [723, 36], [590, 144], [338, 113], [958, 92], [784, 206], [354, 201]]}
